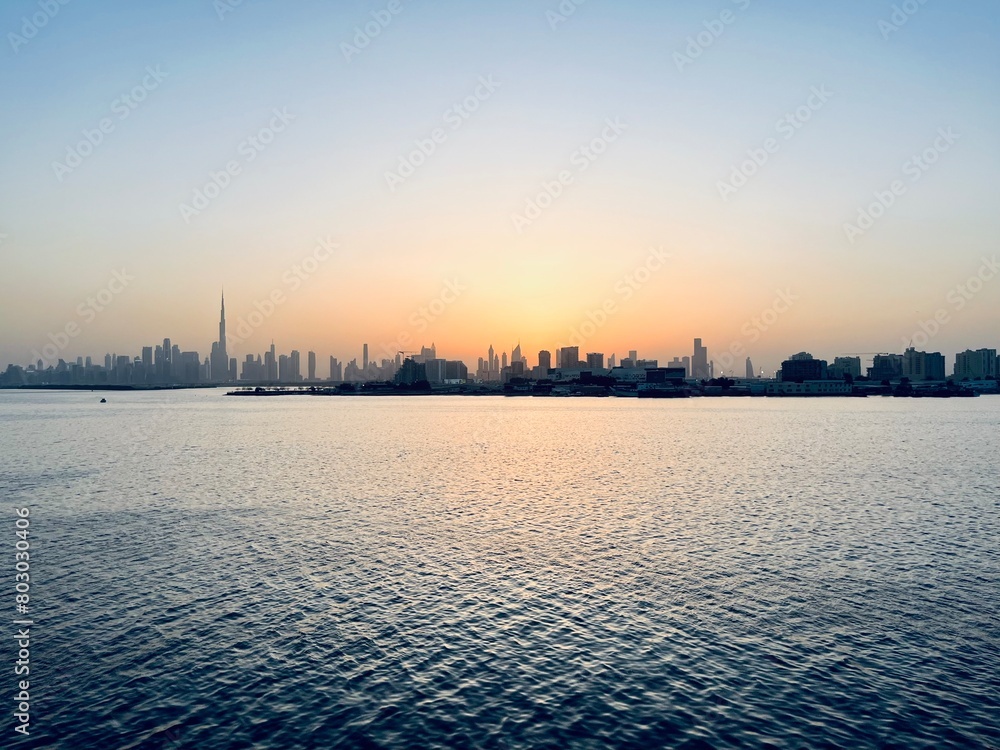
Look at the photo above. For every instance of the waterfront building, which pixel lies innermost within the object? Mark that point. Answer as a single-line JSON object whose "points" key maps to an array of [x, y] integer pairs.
{"points": [[922, 365], [410, 372], [886, 367], [802, 366], [809, 388], [844, 366], [976, 365]]}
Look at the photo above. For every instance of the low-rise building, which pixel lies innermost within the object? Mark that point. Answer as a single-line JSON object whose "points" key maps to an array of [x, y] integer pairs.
{"points": [[809, 388]]}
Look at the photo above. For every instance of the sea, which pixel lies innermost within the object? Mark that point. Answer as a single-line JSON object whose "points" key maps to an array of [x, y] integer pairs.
{"points": [[210, 571]]}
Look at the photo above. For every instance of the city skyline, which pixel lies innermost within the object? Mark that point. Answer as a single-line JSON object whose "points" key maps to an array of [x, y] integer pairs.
{"points": [[166, 363], [820, 152], [754, 335]]}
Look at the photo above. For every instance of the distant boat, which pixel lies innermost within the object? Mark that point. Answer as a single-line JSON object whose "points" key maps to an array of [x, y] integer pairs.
{"points": [[104, 401]]}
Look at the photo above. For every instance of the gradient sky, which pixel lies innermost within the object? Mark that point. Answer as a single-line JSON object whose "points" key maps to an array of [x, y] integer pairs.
{"points": [[656, 185]]}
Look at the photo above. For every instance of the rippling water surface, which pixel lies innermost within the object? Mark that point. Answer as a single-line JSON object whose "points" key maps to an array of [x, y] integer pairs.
{"points": [[213, 572]]}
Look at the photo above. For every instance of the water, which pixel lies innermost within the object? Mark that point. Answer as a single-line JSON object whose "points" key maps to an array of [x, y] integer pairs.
{"points": [[212, 572]]}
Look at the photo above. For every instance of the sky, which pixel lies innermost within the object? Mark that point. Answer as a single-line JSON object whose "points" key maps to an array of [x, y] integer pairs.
{"points": [[771, 177]]}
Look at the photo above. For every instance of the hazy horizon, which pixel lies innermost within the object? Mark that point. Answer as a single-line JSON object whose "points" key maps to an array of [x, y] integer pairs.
{"points": [[746, 161]]}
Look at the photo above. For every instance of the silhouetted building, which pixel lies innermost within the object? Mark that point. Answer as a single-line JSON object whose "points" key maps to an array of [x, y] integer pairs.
{"points": [[456, 370], [844, 366], [595, 361], [220, 357], [569, 357], [252, 369], [436, 370], [674, 375], [271, 365], [684, 362], [886, 367], [188, 366], [923, 365], [809, 388], [802, 366], [410, 372], [699, 362], [976, 365]]}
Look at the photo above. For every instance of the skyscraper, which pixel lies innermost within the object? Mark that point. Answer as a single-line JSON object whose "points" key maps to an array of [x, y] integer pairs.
{"points": [[749, 369], [516, 355], [544, 360], [364, 358], [220, 357], [699, 362], [569, 357], [271, 363], [312, 365], [168, 354]]}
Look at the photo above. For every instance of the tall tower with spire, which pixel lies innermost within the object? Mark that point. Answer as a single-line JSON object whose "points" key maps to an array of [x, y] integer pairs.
{"points": [[222, 323], [219, 361]]}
